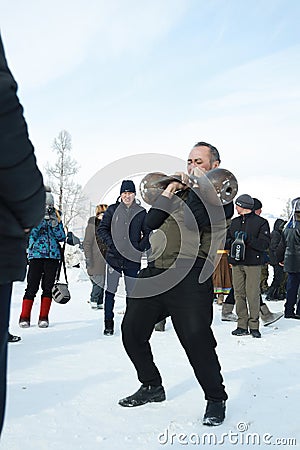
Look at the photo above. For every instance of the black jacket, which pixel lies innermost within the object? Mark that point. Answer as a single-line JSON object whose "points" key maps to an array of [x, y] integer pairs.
{"points": [[257, 238], [125, 234], [275, 240], [22, 194], [289, 248]]}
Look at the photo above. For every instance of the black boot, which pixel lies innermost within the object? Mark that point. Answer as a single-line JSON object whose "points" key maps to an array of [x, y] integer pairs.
{"points": [[215, 413], [271, 293], [109, 327], [13, 338], [146, 394]]}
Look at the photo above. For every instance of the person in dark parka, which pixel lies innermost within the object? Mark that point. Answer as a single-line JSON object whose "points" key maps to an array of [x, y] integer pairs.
{"points": [[22, 203], [288, 254], [126, 236]]}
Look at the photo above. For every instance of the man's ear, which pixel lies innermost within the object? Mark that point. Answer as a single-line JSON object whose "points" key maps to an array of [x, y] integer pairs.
{"points": [[215, 164]]}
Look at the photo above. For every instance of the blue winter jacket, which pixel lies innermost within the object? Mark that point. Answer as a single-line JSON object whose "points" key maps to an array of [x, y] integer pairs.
{"points": [[44, 240]]}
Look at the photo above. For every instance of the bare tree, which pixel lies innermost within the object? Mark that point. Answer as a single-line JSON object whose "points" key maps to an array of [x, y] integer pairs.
{"points": [[61, 178], [287, 210]]}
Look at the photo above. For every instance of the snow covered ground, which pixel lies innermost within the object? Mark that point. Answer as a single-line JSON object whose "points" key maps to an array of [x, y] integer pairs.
{"points": [[64, 384]]}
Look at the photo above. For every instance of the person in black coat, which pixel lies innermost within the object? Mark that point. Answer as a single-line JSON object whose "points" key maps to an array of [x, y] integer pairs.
{"points": [[123, 231], [278, 273], [22, 204], [288, 254], [248, 238]]}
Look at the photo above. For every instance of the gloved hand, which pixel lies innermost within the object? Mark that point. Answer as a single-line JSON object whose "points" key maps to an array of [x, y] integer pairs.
{"points": [[241, 235]]}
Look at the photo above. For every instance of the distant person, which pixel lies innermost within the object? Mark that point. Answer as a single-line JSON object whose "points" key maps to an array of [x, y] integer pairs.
{"points": [[222, 278], [248, 238], [277, 290], [22, 204], [94, 252], [126, 236], [257, 208], [288, 253], [265, 314], [44, 255]]}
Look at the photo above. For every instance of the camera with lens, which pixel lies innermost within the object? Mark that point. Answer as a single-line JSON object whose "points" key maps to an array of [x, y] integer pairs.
{"points": [[49, 212], [49, 209]]}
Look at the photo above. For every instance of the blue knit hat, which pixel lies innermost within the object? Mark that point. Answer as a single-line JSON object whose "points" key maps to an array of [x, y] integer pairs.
{"points": [[127, 186]]}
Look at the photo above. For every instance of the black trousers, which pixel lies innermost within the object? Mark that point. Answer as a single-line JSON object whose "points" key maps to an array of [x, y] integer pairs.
{"points": [[41, 270], [189, 304], [5, 299]]}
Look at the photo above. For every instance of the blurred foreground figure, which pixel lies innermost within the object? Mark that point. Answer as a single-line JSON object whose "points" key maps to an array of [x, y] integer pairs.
{"points": [[22, 204]]}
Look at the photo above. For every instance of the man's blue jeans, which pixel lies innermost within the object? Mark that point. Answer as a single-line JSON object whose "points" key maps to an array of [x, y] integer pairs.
{"points": [[112, 282]]}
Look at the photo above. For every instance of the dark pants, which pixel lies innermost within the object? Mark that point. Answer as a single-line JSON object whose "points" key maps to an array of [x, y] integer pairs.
{"points": [[5, 299], [41, 270], [112, 281], [292, 287], [189, 304]]}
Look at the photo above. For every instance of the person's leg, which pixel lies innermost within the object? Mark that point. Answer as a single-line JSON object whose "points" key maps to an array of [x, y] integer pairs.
{"points": [[138, 323], [48, 279], [34, 275], [298, 295], [253, 274], [192, 323], [5, 300], [291, 294], [239, 285], [112, 282], [96, 297]]}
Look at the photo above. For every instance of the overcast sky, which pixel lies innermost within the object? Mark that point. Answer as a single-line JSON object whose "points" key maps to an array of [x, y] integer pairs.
{"points": [[128, 77]]}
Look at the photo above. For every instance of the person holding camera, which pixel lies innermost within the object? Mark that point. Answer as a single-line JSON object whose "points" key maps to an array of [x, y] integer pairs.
{"points": [[248, 238], [44, 254]]}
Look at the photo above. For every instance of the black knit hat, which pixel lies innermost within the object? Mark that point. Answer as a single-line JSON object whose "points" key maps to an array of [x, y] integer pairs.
{"points": [[245, 201], [127, 186], [257, 204]]}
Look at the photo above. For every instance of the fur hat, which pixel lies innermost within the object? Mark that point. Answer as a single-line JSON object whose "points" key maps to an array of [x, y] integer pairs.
{"points": [[257, 204], [127, 186], [101, 208], [245, 201]]}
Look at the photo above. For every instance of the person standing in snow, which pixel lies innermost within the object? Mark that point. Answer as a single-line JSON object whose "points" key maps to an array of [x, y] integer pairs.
{"points": [[22, 204], [94, 252], [44, 254], [170, 286], [123, 231], [248, 239], [288, 254]]}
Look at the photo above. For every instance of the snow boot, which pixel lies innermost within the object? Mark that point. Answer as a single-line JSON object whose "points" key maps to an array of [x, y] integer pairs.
{"points": [[215, 413], [108, 327], [255, 333], [267, 316], [240, 332], [146, 394], [160, 326], [271, 294], [227, 314], [13, 338], [24, 320], [44, 312]]}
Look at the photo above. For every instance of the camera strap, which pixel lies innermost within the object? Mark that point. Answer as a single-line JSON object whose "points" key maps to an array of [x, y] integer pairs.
{"points": [[62, 263]]}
